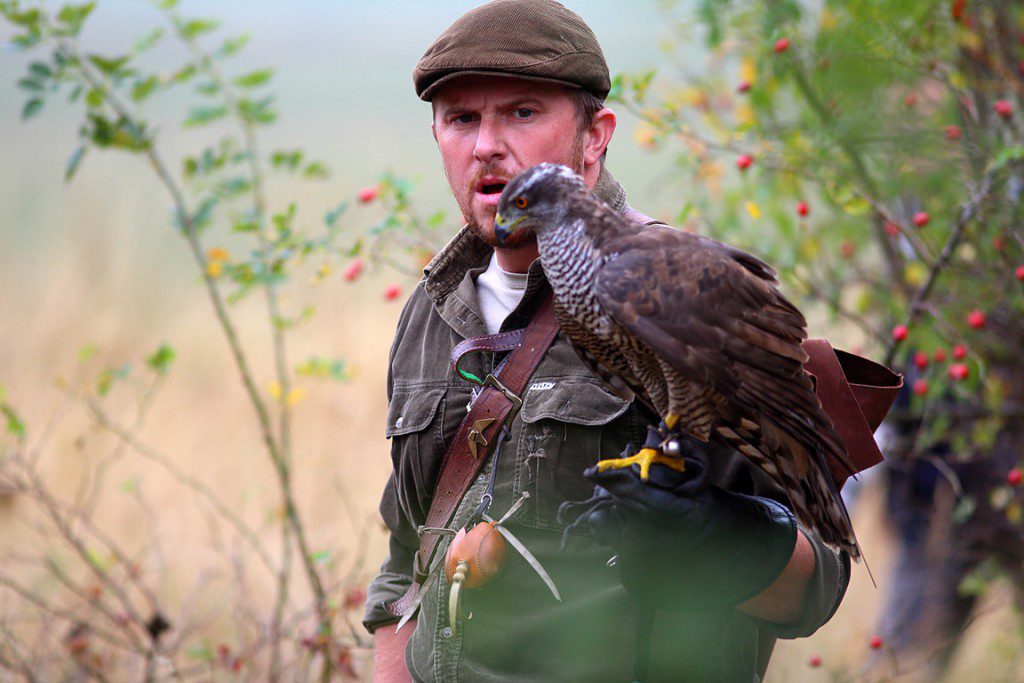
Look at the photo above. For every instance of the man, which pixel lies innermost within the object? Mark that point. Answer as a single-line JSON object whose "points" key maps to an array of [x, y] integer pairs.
{"points": [[514, 83]]}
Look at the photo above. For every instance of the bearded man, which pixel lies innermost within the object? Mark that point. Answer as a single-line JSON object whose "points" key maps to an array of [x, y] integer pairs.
{"points": [[511, 84]]}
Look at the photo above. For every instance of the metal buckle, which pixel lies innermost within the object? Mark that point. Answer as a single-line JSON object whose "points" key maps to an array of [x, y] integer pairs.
{"points": [[517, 403]]}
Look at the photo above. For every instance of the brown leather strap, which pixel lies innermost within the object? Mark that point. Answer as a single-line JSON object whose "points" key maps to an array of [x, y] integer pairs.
{"points": [[856, 393], [490, 410]]}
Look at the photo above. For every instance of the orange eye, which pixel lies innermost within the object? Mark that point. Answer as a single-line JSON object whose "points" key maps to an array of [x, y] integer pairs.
{"points": [[520, 202]]}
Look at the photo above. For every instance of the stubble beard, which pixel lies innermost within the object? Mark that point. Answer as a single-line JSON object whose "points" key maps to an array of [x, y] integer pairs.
{"points": [[483, 226]]}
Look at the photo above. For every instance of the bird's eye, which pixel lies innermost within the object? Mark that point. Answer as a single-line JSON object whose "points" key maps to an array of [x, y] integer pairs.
{"points": [[521, 202]]}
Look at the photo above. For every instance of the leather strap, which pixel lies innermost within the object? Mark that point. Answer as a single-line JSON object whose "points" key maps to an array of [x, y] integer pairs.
{"points": [[856, 393], [490, 410]]}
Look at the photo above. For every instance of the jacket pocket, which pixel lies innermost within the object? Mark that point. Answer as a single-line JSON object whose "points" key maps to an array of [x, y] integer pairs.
{"points": [[568, 425], [416, 429]]}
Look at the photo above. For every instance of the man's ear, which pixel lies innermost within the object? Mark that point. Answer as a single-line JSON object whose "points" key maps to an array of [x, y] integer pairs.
{"points": [[433, 130], [599, 134]]}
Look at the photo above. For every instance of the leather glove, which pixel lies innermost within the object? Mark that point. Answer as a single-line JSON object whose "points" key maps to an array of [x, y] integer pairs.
{"points": [[683, 544]]}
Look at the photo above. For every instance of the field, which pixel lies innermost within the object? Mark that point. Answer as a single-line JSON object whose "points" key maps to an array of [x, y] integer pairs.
{"points": [[95, 265]]}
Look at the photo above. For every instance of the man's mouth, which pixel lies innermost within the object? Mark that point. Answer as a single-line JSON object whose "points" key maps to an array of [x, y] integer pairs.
{"points": [[488, 190]]}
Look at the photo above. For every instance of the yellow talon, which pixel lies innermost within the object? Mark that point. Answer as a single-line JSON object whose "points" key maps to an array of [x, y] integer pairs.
{"points": [[645, 457], [670, 420]]}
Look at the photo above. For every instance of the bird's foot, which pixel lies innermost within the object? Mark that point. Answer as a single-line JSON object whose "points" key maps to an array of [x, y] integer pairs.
{"points": [[645, 458]]}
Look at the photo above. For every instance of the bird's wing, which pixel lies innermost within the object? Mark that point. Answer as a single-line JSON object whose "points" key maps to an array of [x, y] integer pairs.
{"points": [[714, 313]]}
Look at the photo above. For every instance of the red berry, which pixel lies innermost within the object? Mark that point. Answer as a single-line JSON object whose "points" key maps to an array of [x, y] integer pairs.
{"points": [[899, 333], [814, 662], [368, 194], [998, 243], [921, 219], [1014, 476], [959, 352], [921, 360], [953, 132], [910, 100], [959, 371], [957, 10], [892, 229], [976, 319], [802, 209], [940, 356], [847, 249], [353, 270], [921, 387], [744, 86], [877, 642], [392, 292], [1003, 108], [1019, 273], [744, 161], [781, 45]]}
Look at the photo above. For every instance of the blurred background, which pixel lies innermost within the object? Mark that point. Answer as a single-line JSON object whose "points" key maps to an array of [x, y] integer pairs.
{"points": [[95, 278]]}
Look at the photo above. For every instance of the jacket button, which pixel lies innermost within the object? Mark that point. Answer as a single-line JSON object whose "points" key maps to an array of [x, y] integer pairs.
{"points": [[446, 632], [399, 421]]}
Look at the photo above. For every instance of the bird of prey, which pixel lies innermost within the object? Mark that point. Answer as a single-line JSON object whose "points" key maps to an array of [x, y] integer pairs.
{"points": [[694, 328]]}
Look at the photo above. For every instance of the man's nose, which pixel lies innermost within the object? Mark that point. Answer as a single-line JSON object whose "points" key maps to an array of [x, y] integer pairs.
{"points": [[490, 140]]}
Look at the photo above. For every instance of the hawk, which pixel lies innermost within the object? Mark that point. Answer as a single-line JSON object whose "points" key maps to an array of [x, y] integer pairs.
{"points": [[694, 328]]}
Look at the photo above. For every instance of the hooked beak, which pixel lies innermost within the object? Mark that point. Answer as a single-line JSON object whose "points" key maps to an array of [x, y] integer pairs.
{"points": [[503, 229]]}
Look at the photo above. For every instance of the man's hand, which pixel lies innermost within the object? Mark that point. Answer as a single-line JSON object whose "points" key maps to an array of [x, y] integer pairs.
{"points": [[685, 545], [389, 653]]}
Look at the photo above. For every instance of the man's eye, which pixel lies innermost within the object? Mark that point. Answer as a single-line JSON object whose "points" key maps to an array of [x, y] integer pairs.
{"points": [[524, 113], [463, 118]]}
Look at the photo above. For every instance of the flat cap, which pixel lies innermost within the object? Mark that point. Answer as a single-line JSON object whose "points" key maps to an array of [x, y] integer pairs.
{"points": [[537, 40]]}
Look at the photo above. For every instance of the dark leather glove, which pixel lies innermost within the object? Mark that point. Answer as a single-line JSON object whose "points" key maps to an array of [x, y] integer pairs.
{"points": [[683, 544]]}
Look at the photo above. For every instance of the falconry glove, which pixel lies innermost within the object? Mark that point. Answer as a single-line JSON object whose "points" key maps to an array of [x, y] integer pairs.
{"points": [[683, 544]]}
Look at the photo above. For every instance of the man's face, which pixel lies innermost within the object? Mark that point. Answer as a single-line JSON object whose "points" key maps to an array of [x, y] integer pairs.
{"points": [[489, 128]]}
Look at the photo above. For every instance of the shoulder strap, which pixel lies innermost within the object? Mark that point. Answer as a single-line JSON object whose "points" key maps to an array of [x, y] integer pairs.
{"points": [[497, 404]]}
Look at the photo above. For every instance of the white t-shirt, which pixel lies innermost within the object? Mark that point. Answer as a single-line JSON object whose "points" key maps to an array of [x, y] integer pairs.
{"points": [[498, 292]]}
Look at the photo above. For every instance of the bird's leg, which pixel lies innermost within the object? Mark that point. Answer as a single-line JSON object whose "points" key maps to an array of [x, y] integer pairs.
{"points": [[658, 448]]}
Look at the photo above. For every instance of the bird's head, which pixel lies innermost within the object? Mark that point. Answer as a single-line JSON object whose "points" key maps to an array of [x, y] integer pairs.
{"points": [[536, 199]]}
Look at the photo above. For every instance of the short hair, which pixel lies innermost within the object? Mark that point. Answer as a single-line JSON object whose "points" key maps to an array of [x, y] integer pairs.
{"points": [[587, 105]]}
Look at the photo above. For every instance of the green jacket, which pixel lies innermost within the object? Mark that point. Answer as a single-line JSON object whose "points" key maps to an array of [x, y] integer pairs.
{"points": [[518, 631]]}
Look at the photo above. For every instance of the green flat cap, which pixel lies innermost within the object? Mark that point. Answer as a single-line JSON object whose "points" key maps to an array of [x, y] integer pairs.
{"points": [[537, 40]]}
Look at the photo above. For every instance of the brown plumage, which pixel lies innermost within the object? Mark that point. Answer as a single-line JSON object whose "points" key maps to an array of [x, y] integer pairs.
{"points": [[692, 327]]}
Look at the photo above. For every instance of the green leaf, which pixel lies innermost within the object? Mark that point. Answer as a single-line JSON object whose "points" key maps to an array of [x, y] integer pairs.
{"points": [[199, 116], [200, 653], [254, 79], [40, 69], [73, 16], [109, 65], [197, 27], [332, 216], [208, 89], [109, 376], [161, 359], [15, 425], [144, 88], [316, 170], [31, 108], [87, 352], [73, 161], [94, 98], [232, 45], [256, 111], [288, 160], [148, 41], [321, 556], [29, 18], [183, 74], [1006, 155], [30, 84]]}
